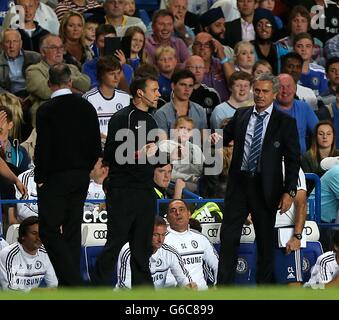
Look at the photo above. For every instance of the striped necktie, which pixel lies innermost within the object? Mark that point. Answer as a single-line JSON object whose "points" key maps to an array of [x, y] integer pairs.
{"points": [[256, 144]]}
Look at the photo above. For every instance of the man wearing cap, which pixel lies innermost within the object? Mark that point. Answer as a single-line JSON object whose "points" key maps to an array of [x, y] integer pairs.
{"points": [[265, 48], [213, 22]]}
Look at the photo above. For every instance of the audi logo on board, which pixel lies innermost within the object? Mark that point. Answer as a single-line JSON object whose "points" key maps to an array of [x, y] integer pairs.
{"points": [[246, 231], [100, 234], [213, 232]]}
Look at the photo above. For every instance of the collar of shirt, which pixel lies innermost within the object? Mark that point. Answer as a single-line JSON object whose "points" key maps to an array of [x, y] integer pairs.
{"points": [[177, 232], [21, 54], [268, 110], [61, 92], [123, 23]]}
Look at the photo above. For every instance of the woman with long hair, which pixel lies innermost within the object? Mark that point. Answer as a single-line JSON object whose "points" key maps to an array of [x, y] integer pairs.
{"points": [[323, 146], [72, 35], [138, 54]]}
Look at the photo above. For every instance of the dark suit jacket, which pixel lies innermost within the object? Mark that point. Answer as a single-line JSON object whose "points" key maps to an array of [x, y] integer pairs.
{"points": [[281, 140], [233, 33]]}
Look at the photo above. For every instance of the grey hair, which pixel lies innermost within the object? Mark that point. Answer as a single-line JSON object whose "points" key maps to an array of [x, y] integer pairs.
{"points": [[269, 77]]}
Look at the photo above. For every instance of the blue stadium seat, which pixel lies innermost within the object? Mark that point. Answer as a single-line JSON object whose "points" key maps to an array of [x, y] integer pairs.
{"points": [[148, 5], [246, 267], [312, 251], [88, 258], [143, 15]]}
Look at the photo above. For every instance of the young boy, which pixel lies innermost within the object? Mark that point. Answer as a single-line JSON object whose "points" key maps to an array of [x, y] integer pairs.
{"points": [[166, 62], [190, 166], [240, 84], [312, 76], [33, 32]]}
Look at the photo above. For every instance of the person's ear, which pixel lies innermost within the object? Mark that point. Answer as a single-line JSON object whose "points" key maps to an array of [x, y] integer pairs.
{"points": [[140, 93]]}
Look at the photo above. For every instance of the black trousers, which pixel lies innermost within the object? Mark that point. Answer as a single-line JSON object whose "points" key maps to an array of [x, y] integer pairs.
{"points": [[60, 203], [243, 196], [131, 215]]}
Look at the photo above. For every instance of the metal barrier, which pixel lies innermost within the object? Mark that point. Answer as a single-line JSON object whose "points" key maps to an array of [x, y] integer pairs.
{"points": [[10, 201]]}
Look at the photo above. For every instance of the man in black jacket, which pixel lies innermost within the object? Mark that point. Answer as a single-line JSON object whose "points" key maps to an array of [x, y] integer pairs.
{"points": [[241, 29], [262, 136], [67, 147], [130, 197]]}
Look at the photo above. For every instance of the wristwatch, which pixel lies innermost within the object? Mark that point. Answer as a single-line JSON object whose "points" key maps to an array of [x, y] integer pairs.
{"points": [[299, 236], [292, 193], [186, 36]]}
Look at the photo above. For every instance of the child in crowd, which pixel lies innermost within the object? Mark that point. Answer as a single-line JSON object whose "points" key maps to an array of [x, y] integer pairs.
{"points": [[190, 167], [166, 61], [138, 54]]}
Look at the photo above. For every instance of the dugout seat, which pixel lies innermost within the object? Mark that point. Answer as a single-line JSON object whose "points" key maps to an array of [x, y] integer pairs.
{"points": [[313, 248], [309, 254], [246, 266], [12, 233], [93, 239]]}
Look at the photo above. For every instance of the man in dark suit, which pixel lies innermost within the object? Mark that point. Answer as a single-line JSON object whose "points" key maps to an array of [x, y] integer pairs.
{"points": [[241, 29], [68, 146], [262, 136]]}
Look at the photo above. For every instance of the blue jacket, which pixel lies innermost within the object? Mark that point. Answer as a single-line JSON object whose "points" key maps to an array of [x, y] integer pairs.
{"points": [[20, 157]]}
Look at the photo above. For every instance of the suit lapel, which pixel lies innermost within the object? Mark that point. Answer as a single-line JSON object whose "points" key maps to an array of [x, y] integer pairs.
{"points": [[271, 127], [245, 118]]}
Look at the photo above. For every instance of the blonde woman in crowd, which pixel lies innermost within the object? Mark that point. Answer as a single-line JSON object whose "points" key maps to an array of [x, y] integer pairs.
{"points": [[72, 36]]}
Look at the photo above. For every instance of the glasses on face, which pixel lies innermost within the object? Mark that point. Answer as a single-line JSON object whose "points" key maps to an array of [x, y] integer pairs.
{"points": [[55, 47], [203, 45], [262, 25], [196, 67]]}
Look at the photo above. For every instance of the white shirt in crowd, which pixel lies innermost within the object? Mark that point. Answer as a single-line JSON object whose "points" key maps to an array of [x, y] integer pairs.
{"points": [[106, 107], [22, 271], [198, 254], [164, 259]]}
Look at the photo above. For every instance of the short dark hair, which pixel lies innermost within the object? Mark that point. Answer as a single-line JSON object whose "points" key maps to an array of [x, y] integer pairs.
{"points": [[8, 112], [106, 64], [159, 221], [182, 74], [291, 55], [240, 75], [302, 35], [331, 61], [140, 83], [24, 225], [146, 70], [59, 74], [183, 201], [161, 13], [104, 29]]}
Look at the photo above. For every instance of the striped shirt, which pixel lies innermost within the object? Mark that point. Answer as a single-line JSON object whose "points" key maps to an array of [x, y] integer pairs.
{"points": [[22, 271], [198, 254], [69, 5], [325, 270], [164, 259], [106, 107]]}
